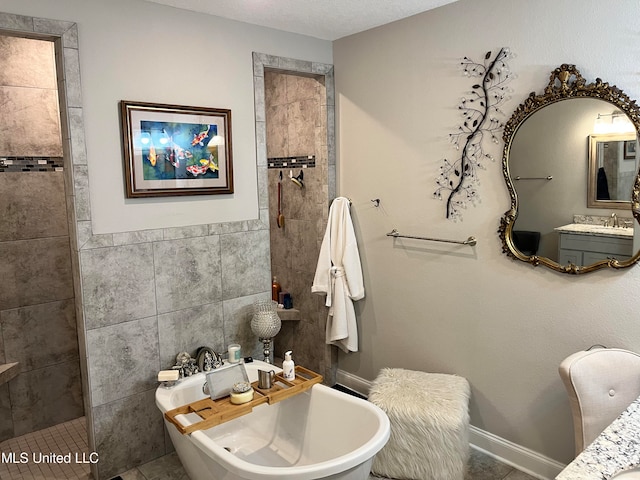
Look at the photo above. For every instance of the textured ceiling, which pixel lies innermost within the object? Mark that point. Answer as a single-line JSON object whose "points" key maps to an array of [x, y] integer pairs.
{"points": [[324, 19]]}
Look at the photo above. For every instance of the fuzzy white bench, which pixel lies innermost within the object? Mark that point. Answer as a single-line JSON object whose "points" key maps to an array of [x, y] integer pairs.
{"points": [[429, 416]]}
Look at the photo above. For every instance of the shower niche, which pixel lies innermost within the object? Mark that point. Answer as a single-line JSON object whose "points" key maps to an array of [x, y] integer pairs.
{"points": [[297, 113]]}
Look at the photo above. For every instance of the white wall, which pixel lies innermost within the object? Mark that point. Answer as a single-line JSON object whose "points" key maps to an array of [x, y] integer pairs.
{"points": [[141, 51], [503, 324]]}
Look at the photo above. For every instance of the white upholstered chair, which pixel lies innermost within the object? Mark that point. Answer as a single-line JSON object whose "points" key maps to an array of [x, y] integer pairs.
{"points": [[601, 383]]}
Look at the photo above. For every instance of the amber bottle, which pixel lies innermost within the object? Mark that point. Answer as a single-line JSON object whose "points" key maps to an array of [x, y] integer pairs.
{"points": [[275, 290]]}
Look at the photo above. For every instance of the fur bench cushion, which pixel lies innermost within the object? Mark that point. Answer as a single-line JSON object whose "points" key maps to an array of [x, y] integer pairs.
{"points": [[429, 416]]}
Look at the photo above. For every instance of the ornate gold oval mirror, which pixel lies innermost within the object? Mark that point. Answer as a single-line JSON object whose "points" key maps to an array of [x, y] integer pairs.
{"points": [[571, 152]]}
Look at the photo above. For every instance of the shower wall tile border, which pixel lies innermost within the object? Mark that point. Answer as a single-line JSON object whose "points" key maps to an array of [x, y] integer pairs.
{"points": [[303, 161], [87, 240], [76, 135], [66, 30], [72, 77], [31, 164], [139, 236], [261, 142]]}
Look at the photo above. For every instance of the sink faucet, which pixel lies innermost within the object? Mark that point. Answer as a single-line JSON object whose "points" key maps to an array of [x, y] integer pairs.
{"points": [[614, 220]]}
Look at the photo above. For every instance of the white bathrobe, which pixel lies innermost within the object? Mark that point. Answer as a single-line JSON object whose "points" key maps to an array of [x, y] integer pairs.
{"points": [[339, 276]]}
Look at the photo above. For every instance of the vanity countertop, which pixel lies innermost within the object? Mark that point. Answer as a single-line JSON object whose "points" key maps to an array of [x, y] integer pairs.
{"points": [[599, 230], [615, 449]]}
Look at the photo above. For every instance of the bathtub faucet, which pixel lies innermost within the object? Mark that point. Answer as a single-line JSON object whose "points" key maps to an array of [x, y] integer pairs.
{"points": [[185, 365], [207, 359]]}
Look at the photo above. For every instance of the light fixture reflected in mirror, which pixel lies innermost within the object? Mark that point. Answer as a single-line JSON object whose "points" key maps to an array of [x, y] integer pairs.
{"points": [[614, 122]]}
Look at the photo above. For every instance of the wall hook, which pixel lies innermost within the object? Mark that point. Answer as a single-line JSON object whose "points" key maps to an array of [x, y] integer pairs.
{"points": [[299, 180], [376, 202]]}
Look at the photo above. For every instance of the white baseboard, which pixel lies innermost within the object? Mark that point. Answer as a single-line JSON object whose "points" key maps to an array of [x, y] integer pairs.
{"points": [[533, 463], [353, 382]]}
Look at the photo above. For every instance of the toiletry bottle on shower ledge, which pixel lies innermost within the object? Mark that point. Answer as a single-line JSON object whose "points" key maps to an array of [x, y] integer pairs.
{"points": [[275, 289], [288, 367]]}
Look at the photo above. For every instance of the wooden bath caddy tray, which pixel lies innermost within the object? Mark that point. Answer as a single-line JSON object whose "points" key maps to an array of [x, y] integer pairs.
{"points": [[215, 412]]}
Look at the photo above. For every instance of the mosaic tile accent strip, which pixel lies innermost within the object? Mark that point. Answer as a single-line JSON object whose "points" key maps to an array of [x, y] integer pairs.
{"points": [[306, 161], [31, 164]]}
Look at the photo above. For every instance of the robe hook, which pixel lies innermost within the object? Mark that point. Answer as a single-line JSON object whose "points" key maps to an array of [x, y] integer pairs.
{"points": [[299, 180], [376, 202]]}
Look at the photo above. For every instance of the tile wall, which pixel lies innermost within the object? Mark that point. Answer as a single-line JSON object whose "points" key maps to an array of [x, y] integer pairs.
{"points": [[149, 295], [29, 98], [37, 307]]}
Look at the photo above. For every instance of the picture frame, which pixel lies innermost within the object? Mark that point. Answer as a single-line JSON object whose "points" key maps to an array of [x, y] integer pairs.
{"points": [[174, 150], [630, 149]]}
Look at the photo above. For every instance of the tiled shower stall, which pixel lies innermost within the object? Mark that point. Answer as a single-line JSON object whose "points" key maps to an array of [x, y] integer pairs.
{"points": [[37, 307], [296, 118]]}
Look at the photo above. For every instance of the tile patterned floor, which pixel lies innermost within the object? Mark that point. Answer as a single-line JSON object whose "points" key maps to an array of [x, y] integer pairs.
{"points": [[481, 467], [72, 437], [69, 438]]}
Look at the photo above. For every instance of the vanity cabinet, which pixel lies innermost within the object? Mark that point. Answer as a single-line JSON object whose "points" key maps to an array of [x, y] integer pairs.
{"points": [[581, 249]]}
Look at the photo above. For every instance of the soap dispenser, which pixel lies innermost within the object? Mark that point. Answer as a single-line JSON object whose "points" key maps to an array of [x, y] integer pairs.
{"points": [[288, 367]]}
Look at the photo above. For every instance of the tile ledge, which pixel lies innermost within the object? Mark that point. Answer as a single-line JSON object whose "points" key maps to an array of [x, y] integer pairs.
{"points": [[288, 314], [8, 371]]}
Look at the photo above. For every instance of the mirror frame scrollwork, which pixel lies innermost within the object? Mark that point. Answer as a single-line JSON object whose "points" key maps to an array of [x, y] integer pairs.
{"points": [[565, 83]]}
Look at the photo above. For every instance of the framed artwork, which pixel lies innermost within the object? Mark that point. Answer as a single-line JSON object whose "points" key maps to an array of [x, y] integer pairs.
{"points": [[176, 150], [630, 149]]}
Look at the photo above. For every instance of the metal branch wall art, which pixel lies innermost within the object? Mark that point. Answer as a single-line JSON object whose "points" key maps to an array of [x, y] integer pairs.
{"points": [[458, 180]]}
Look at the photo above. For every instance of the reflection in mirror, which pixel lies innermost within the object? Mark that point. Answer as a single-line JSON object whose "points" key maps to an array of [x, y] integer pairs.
{"points": [[547, 158], [612, 170]]}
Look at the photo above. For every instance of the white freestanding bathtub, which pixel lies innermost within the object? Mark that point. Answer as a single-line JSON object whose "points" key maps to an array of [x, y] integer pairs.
{"points": [[321, 433]]}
